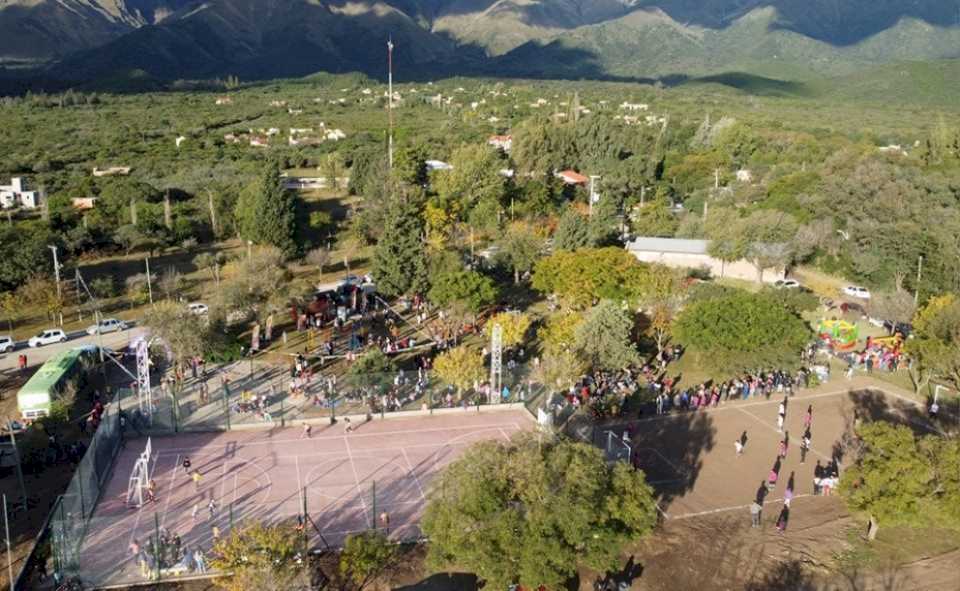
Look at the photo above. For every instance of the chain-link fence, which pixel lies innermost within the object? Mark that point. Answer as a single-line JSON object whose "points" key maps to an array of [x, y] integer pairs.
{"points": [[75, 507]]}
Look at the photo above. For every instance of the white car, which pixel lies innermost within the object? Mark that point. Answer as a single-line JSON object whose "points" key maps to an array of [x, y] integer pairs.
{"points": [[198, 308], [787, 284], [105, 326], [855, 291], [6, 344], [47, 337]]}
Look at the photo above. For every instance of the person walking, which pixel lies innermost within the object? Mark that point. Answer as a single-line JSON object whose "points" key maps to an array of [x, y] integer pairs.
{"points": [[215, 531], [212, 508], [808, 417], [805, 446], [782, 447], [186, 465], [196, 480], [755, 511], [199, 561], [783, 518], [152, 491], [738, 447], [307, 430], [781, 415], [194, 511]]}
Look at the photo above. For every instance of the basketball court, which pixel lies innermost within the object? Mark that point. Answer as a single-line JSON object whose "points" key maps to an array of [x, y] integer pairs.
{"points": [[690, 460], [345, 481]]}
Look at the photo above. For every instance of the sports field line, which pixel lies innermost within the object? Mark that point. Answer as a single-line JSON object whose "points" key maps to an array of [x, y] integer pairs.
{"points": [[793, 440], [732, 508], [354, 435], [356, 478]]}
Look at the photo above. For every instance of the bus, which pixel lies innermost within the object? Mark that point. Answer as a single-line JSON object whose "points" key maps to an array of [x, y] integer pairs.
{"points": [[68, 369]]}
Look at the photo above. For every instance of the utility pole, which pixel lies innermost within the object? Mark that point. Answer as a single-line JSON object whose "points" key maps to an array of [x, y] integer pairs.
{"points": [[390, 101], [56, 268], [149, 285], [916, 291], [16, 456], [593, 191]]}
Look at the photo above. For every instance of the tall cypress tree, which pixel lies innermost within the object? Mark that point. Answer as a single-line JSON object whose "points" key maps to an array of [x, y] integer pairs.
{"points": [[267, 213], [400, 259]]}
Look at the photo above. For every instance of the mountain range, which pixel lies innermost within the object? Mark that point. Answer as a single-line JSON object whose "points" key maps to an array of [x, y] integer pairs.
{"points": [[627, 39]]}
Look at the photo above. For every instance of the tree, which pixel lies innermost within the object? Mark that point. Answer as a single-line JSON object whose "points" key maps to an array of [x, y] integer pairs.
{"points": [[129, 237], [580, 278], [170, 282], [183, 337], [473, 182], [266, 212], [655, 217], [470, 288], [40, 291], [520, 249], [531, 513], [895, 306], [559, 333], [514, 326], [262, 557], [741, 331], [10, 306], [572, 231], [561, 369], [332, 168], [899, 478], [365, 557], [25, 253], [211, 260], [770, 236], [460, 367], [662, 302], [728, 241], [372, 370], [604, 338], [399, 261], [936, 342], [319, 257]]}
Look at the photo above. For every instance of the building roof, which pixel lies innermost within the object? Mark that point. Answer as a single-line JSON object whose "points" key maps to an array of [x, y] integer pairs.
{"points": [[676, 245], [572, 177]]}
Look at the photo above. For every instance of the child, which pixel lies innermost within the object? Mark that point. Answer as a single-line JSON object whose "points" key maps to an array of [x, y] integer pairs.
{"points": [[738, 446]]}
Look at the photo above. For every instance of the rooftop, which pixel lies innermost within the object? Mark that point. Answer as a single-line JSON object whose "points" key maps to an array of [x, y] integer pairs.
{"points": [[677, 245]]}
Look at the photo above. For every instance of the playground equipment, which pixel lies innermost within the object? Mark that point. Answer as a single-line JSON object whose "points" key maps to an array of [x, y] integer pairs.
{"points": [[839, 334]]}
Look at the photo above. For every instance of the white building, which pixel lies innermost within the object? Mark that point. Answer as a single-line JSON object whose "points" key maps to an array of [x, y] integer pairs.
{"points": [[16, 194], [693, 254]]}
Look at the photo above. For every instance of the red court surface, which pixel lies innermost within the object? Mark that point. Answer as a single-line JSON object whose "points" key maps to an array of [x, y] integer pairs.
{"points": [[264, 474]]}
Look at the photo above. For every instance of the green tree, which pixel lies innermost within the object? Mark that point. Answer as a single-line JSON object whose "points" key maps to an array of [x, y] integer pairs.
{"points": [[410, 164], [531, 513], [263, 557], [213, 261], [181, 334], [400, 258], [936, 342], [365, 557], [655, 217], [741, 331], [10, 306], [559, 332], [470, 288], [573, 231], [728, 238], [521, 248], [583, 277], [473, 187], [770, 240], [373, 370], [331, 166], [899, 478], [266, 212], [604, 338], [460, 367], [25, 253]]}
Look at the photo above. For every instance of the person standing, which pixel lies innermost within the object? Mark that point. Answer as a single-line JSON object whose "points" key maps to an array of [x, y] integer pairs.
{"points": [[194, 511], [805, 446], [738, 447], [782, 447], [781, 415], [152, 491], [196, 480], [755, 511], [307, 430], [186, 466], [808, 417], [212, 508]]}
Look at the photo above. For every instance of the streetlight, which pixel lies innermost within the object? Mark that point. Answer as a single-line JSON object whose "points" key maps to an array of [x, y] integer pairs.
{"points": [[56, 275]]}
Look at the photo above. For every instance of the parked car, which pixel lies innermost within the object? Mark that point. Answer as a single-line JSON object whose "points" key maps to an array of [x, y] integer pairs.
{"points": [[198, 308], [48, 337], [855, 291], [787, 284], [107, 325], [6, 344]]}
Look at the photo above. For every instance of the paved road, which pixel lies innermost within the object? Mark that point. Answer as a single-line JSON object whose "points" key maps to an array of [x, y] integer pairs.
{"points": [[113, 340]]}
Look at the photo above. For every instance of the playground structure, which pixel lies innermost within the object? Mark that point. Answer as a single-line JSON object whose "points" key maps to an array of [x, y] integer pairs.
{"points": [[840, 335]]}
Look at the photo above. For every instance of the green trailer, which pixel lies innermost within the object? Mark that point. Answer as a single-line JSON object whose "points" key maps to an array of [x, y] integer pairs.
{"points": [[68, 369]]}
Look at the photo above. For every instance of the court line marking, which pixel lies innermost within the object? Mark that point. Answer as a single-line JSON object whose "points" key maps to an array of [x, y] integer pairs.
{"points": [[472, 429], [356, 478], [792, 439], [734, 507], [416, 478], [166, 503]]}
